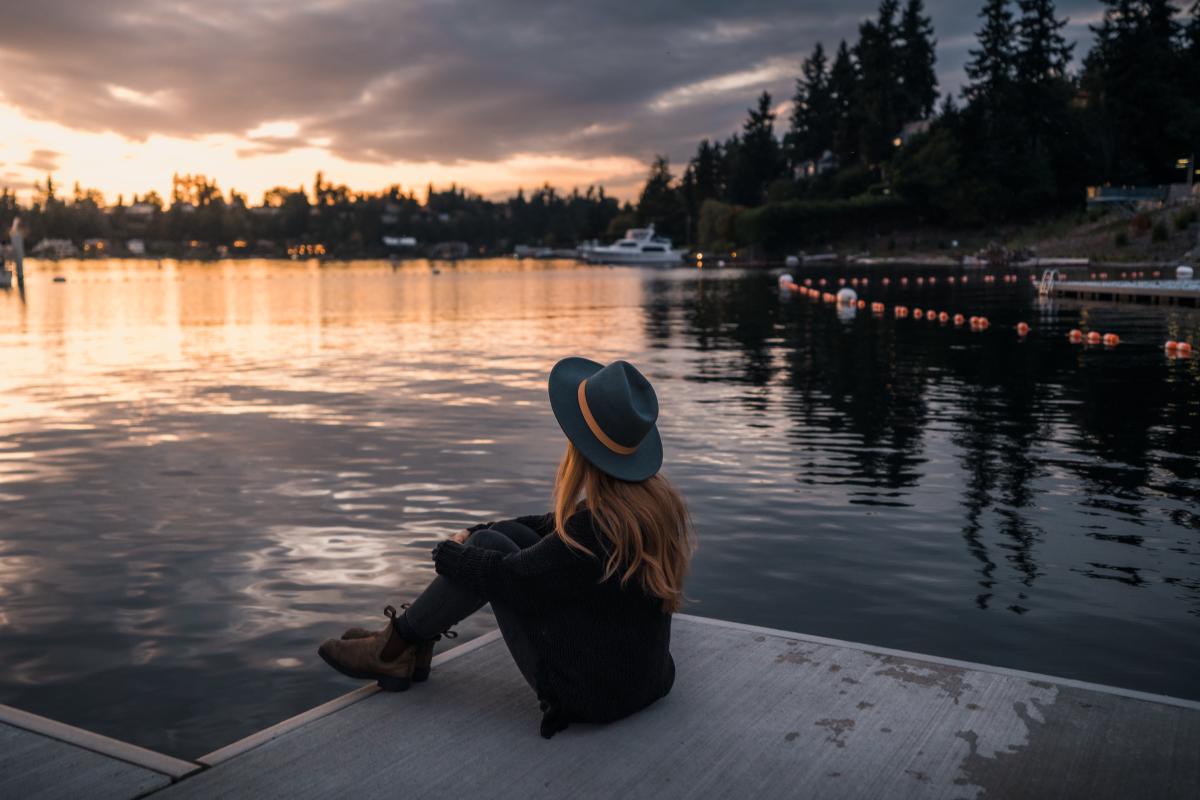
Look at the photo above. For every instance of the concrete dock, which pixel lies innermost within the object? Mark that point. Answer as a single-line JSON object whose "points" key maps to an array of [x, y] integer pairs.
{"points": [[755, 712], [1176, 293]]}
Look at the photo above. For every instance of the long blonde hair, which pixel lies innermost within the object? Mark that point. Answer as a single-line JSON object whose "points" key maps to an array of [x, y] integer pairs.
{"points": [[646, 522]]}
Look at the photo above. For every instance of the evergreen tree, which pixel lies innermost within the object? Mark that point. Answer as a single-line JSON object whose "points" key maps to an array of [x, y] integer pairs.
{"points": [[1044, 54], [659, 203], [1131, 76], [880, 93], [843, 90], [1191, 58], [992, 68], [813, 113], [758, 159], [1050, 152], [707, 166], [918, 56]]}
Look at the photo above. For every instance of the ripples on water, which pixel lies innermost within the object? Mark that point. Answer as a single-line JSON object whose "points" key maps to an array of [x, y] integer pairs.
{"points": [[207, 468]]}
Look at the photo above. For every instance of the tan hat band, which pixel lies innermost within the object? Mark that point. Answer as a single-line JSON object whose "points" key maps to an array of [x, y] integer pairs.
{"points": [[594, 427]]}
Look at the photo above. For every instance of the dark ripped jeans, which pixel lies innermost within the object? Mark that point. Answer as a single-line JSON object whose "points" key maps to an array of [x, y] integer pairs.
{"points": [[445, 603]]}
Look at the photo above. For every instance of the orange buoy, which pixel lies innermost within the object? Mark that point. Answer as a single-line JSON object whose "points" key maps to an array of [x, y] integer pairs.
{"points": [[1184, 350], [1111, 340], [862, 304], [958, 320], [983, 323], [1022, 329], [1093, 338], [918, 313], [1172, 345], [943, 317], [1076, 336]]}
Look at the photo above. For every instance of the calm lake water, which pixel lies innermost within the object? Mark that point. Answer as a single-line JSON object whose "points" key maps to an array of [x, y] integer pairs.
{"points": [[208, 468]]}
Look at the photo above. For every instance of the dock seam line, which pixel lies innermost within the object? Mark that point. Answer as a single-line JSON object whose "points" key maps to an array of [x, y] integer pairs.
{"points": [[290, 724], [173, 768]]}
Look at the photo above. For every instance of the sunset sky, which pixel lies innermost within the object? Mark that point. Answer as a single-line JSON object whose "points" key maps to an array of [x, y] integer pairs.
{"points": [[119, 94]]}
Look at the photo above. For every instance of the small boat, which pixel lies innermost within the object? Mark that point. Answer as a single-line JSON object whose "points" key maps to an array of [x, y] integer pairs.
{"points": [[640, 246]]}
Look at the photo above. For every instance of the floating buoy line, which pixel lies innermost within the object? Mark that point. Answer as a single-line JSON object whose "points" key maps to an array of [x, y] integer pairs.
{"points": [[847, 296]]}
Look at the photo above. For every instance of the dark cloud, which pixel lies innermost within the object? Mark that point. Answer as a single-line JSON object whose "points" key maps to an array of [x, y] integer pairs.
{"points": [[459, 79], [43, 160]]}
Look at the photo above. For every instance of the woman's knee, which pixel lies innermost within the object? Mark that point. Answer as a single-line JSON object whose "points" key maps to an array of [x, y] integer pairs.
{"points": [[523, 535], [492, 540]]}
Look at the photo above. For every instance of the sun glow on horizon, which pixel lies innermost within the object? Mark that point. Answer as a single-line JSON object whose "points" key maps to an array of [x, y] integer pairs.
{"points": [[119, 166]]}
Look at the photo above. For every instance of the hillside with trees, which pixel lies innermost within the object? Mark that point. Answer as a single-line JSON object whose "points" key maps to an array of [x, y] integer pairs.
{"points": [[869, 147]]}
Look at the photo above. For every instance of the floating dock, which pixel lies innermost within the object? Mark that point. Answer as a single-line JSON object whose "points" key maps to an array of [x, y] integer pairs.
{"points": [[1176, 293], [755, 712]]}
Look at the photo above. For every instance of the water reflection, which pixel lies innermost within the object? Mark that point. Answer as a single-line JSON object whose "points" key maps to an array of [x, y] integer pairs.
{"points": [[208, 467]]}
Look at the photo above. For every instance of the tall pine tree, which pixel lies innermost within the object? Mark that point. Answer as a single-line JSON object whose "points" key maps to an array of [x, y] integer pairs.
{"points": [[1044, 53], [843, 88], [880, 93], [758, 159], [918, 56], [813, 114], [992, 68], [1131, 76]]}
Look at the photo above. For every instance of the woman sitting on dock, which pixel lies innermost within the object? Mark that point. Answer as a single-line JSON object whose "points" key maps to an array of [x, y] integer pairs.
{"points": [[583, 595]]}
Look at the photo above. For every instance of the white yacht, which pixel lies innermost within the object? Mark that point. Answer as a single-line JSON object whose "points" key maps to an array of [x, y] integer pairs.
{"points": [[640, 246]]}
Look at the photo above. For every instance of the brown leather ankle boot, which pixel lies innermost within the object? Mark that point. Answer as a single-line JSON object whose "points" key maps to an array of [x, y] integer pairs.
{"points": [[385, 658], [424, 656]]}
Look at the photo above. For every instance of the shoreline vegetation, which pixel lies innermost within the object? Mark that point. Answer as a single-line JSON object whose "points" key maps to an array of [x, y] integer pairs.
{"points": [[871, 159]]}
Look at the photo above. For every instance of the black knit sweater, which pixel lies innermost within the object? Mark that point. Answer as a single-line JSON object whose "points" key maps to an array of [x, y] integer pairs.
{"points": [[603, 651]]}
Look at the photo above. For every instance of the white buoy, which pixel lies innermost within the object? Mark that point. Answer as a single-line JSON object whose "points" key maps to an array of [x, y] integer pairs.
{"points": [[785, 279], [792, 261], [847, 297], [1183, 273]]}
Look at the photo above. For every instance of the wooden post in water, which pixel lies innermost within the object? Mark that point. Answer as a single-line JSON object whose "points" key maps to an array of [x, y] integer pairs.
{"points": [[18, 246]]}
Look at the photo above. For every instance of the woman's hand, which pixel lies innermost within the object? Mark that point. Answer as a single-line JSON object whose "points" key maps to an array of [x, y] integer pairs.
{"points": [[461, 536]]}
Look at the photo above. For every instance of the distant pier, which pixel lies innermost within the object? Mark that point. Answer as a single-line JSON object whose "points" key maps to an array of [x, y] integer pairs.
{"points": [[755, 712], [1175, 293]]}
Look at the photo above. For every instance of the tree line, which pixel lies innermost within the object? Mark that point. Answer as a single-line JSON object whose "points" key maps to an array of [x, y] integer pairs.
{"points": [[199, 217], [868, 144]]}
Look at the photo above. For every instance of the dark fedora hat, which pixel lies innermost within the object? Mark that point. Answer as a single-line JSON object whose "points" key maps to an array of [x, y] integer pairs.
{"points": [[608, 413]]}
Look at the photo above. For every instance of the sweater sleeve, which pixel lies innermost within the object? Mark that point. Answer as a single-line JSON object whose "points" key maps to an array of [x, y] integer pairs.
{"points": [[541, 524], [547, 570]]}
